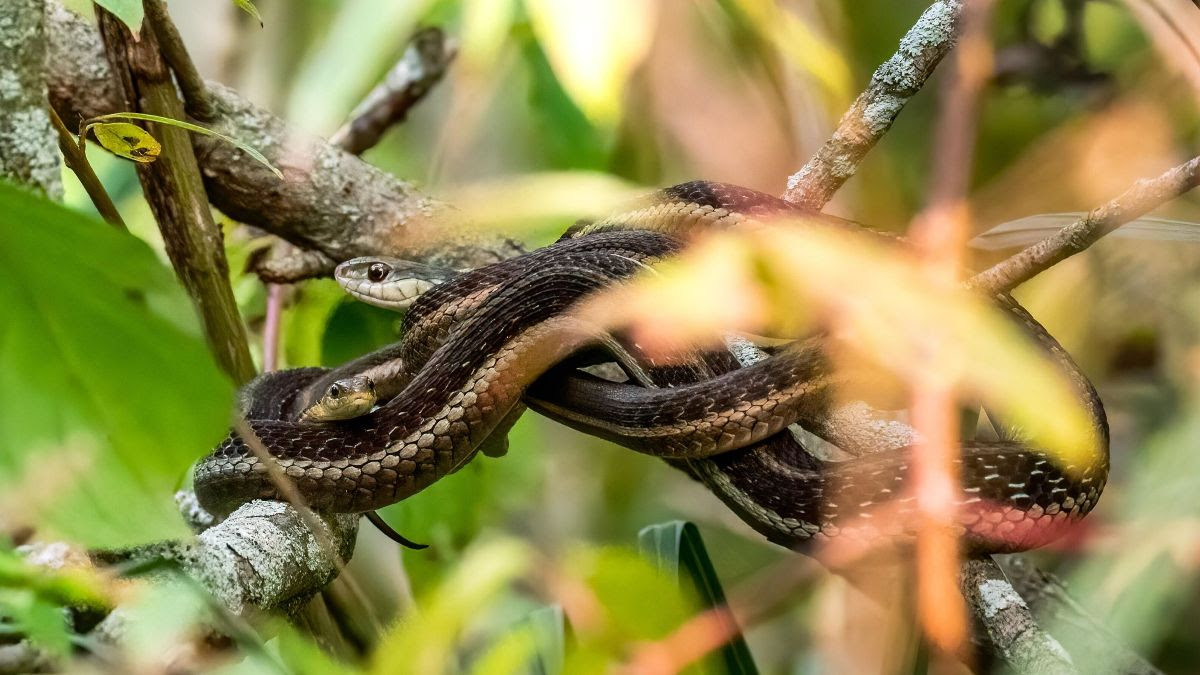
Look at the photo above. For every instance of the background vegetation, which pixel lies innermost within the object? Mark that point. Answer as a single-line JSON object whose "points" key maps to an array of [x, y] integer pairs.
{"points": [[107, 382]]}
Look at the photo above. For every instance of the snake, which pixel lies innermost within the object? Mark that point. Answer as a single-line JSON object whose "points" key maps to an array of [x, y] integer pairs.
{"points": [[475, 347]]}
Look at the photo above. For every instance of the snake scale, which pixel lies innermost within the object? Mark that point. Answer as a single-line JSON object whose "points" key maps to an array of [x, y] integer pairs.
{"points": [[479, 346]]}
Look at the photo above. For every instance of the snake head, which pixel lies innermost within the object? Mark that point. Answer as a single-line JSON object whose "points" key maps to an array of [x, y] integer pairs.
{"points": [[345, 399], [388, 282]]}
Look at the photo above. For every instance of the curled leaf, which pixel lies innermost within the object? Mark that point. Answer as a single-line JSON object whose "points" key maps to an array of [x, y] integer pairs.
{"points": [[240, 145], [249, 8], [127, 140]]}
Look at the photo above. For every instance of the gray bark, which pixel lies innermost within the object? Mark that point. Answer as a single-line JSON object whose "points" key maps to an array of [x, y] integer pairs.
{"points": [[28, 143]]}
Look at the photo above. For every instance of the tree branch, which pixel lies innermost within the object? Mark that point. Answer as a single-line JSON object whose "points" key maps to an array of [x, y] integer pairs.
{"points": [[28, 145], [872, 114], [1012, 633], [425, 61], [175, 192], [330, 202], [1088, 640], [1144, 195]]}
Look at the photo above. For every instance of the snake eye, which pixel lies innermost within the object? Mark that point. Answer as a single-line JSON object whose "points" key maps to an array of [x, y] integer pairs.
{"points": [[335, 391], [377, 272]]}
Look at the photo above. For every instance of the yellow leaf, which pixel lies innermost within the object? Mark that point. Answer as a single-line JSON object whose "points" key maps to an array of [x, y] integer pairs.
{"points": [[876, 300], [594, 47], [127, 140]]}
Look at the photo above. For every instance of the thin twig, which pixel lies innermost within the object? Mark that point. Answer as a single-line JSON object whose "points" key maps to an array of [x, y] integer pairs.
{"points": [[175, 191], [1143, 196], [79, 164], [425, 61], [287, 489], [191, 85], [872, 114], [270, 336]]}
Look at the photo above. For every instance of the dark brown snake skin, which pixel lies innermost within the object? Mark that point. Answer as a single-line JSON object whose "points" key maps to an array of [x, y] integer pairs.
{"points": [[484, 337]]}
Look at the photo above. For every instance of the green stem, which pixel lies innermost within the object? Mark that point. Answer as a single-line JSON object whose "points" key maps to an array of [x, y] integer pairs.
{"points": [[77, 162], [175, 192], [191, 85]]}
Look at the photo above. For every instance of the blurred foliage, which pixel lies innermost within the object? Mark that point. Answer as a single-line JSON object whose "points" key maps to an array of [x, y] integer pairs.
{"points": [[108, 393], [105, 373]]}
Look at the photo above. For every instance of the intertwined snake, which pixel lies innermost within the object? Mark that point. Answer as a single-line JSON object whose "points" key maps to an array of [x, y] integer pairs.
{"points": [[477, 347]]}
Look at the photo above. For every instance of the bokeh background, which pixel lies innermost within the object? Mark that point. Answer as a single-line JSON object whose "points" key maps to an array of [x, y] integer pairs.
{"points": [[555, 108]]}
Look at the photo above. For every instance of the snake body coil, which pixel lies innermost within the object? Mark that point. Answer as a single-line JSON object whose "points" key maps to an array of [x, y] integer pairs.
{"points": [[474, 345]]}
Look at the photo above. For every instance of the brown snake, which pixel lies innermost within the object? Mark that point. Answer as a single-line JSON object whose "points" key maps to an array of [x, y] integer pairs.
{"points": [[474, 346]]}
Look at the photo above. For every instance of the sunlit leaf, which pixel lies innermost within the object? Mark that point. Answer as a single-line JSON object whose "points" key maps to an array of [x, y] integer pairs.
{"points": [[594, 47], [104, 399], [249, 8], [526, 204], [130, 12], [878, 302], [127, 140], [255, 154]]}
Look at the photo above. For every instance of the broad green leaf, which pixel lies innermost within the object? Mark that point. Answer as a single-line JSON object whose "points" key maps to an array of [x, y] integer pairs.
{"points": [[105, 399], [677, 549], [128, 11], [249, 8], [255, 154], [549, 629], [594, 47], [127, 140]]}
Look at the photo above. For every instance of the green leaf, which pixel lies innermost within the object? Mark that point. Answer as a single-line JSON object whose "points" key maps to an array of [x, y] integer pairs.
{"points": [[127, 140], [549, 629], [105, 399], [249, 8], [676, 547], [258, 156], [128, 11]]}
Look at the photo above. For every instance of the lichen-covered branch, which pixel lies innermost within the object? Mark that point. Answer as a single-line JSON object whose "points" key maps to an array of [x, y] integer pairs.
{"points": [[1144, 195], [175, 193], [1012, 634], [331, 203], [425, 61], [872, 114], [28, 143], [1085, 637]]}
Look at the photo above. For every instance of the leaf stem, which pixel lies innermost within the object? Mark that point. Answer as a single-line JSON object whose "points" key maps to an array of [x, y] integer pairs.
{"points": [[77, 161], [191, 85]]}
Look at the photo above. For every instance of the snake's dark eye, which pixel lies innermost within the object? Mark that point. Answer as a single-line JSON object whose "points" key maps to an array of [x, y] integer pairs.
{"points": [[377, 272], [335, 391]]}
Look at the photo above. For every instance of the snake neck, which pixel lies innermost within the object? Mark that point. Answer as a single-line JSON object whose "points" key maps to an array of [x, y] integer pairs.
{"points": [[436, 423]]}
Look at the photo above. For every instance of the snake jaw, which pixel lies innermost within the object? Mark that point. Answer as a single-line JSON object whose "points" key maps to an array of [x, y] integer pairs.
{"points": [[390, 283]]}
